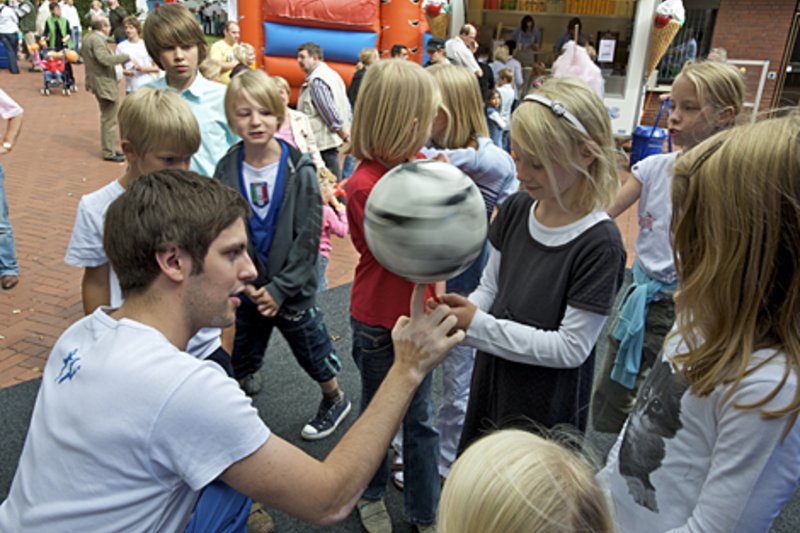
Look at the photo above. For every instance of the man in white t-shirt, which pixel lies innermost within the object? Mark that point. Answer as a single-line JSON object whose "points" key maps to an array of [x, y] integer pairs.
{"points": [[128, 430], [140, 70]]}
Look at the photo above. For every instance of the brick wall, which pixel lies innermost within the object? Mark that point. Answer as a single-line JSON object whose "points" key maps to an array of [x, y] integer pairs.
{"points": [[748, 29], [756, 30]]}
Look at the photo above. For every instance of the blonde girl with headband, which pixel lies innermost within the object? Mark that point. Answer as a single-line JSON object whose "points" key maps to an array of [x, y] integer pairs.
{"points": [[392, 122], [460, 132], [706, 98], [555, 265], [513, 481], [713, 443]]}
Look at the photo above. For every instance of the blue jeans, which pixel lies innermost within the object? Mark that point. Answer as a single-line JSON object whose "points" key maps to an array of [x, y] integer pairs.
{"points": [[11, 41], [322, 267], [50, 76], [75, 38], [349, 166], [8, 254], [220, 509], [305, 332], [374, 354]]}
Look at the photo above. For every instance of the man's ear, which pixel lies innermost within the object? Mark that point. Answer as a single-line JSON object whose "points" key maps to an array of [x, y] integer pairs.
{"points": [[174, 262]]}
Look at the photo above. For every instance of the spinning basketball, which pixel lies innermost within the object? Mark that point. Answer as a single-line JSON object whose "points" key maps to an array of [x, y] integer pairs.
{"points": [[425, 221]]}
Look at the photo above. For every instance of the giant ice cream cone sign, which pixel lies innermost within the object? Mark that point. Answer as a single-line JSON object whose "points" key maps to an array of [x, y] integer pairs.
{"points": [[437, 13], [670, 16]]}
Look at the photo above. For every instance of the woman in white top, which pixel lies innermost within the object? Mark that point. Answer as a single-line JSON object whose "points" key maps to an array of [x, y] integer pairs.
{"points": [[140, 70], [9, 35]]}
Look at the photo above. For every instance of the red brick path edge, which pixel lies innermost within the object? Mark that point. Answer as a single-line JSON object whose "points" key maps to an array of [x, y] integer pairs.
{"points": [[55, 162]]}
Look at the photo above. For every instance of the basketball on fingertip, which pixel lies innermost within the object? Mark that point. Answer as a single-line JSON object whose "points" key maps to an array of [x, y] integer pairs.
{"points": [[425, 221]]}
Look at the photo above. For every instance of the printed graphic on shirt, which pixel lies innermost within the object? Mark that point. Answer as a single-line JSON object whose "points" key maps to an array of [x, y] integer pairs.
{"points": [[655, 419], [259, 194], [70, 367], [646, 221]]}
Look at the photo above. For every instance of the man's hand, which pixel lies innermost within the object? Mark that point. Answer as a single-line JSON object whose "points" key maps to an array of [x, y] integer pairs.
{"points": [[421, 342], [264, 302], [344, 134], [459, 307]]}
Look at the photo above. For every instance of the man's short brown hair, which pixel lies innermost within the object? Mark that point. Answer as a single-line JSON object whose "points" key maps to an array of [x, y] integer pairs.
{"points": [[166, 207], [133, 22], [170, 26], [313, 49]]}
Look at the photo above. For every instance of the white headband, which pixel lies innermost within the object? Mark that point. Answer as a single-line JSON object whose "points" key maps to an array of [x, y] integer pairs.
{"points": [[558, 110]]}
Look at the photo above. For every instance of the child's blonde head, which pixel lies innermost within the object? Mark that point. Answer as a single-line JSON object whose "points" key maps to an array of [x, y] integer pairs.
{"points": [[243, 53], [718, 85], [513, 481], [461, 105], [210, 69], [157, 119], [736, 225], [554, 140], [260, 88], [367, 56], [506, 75], [394, 112], [501, 53]]}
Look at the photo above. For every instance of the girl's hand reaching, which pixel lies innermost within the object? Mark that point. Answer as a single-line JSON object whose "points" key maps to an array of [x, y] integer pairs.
{"points": [[460, 307]]}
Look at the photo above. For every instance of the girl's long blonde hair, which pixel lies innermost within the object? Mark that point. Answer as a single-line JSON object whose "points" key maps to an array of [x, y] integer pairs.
{"points": [[736, 225], [461, 104], [553, 140], [394, 112], [513, 481]]}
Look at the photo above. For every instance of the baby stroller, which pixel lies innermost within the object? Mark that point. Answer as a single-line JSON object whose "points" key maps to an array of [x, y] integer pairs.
{"points": [[54, 72]]}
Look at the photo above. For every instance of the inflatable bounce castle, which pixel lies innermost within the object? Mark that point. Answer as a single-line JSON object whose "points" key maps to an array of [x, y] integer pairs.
{"points": [[341, 27]]}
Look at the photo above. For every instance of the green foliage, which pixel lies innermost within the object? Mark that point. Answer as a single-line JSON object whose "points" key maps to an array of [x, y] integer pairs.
{"points": [[84, 5]]}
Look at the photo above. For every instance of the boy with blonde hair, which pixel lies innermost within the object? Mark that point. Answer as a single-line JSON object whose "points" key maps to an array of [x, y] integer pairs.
{"points": [[158, 131]]}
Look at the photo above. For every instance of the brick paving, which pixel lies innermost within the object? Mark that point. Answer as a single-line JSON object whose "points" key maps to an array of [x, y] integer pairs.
{"points": [[55, 162]]}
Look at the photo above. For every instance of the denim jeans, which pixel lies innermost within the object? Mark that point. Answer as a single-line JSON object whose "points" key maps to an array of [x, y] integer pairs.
{"points": [[75, 38], [305, 332], [8, 254], [11, 42], [322, 268], [374, 354], [50, 76]]}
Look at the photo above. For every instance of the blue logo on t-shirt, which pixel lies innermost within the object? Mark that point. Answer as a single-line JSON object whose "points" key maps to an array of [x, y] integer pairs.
{"points": [[70, 368]]}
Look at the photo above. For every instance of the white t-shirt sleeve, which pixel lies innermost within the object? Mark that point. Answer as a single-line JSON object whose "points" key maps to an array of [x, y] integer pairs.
{"points": [[752, 473], [199, 434], [566, 347], [86, 242]]}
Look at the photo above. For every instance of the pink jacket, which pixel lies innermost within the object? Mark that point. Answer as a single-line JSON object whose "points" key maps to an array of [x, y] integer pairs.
{"points": [[332, 222]]}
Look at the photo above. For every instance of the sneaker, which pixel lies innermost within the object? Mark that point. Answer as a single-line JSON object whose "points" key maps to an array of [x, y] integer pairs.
{"points": [[374, 516], [398, 480], [251, 385], [259, 520], [329, 416]]}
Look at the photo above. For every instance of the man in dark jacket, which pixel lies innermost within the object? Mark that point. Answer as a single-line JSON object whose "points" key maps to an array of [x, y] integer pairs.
{"points": [[116, 14]]}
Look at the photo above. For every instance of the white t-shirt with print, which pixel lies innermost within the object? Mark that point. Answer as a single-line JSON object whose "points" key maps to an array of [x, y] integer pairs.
{"points": [[138, 52], [126, 431], [259, 182], [653, 245], [686, 463], [86, 250]]}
